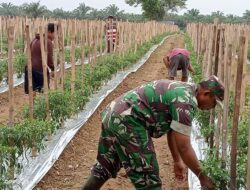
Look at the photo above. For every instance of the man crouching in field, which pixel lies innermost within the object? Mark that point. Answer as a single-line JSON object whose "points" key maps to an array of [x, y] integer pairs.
{"points": [[152, 110]]}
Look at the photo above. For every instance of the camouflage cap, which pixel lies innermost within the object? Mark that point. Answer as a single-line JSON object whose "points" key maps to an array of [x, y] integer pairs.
{"points": [[216, 87]]}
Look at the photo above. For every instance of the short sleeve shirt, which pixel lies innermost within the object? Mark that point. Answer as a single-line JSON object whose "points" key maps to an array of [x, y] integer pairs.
{"points": [[177, 51], [161, 106]]}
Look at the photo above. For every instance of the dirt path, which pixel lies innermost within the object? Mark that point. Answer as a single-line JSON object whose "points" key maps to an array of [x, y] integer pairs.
{"points": [[73, 166]]}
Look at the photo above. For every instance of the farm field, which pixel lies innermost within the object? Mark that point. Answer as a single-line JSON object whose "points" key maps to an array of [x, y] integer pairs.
{"points": [[74, 164], [61, 67]]}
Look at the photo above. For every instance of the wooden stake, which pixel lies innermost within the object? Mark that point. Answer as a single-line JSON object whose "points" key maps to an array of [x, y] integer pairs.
{"points": [[10, 74], [237, 101], [101, 42], [73, 64], [29, 65], [243, 89], [228, 63], [55, 56], [248, 155], [61, 54], [44, 62], [83, 43]]}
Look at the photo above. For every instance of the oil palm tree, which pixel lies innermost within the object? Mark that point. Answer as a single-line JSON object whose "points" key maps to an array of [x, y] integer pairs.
{"points": [[34, 9]]}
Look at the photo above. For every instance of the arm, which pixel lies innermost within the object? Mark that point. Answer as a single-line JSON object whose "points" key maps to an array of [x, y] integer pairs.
{"points": [[190, 68], [50, 56], [179, 167], [182, 116], [166, 61], [189, 157], [186, 152], [173, 148], [50, 62]]}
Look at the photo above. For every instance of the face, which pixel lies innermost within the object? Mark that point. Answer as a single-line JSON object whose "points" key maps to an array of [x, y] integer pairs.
{"points": [[110, 20], [51, 35], [206, 100]]}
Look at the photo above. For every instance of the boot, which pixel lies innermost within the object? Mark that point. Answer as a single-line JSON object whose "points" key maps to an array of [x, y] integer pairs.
{"points": [[93, 183]]}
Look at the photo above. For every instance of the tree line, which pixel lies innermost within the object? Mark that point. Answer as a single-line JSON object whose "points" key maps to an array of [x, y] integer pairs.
{"points": [[36, 9], [194, 15], [167, 10], [160, 10]]}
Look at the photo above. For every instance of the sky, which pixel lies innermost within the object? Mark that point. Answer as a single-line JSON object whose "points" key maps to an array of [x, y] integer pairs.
{"points": [[236, 7]]}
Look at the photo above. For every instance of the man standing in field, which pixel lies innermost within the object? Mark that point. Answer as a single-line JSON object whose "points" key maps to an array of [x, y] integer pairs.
{"points": [[152, 110], [36, 61], [178, 59], [111, 34]]}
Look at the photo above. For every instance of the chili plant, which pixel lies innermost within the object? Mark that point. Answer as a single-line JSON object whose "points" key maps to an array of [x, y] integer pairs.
{"points": [[3, 69], [19, 64]]}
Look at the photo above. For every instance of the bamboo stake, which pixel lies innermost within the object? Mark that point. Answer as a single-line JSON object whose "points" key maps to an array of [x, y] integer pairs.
{"points": [[211, 124], [82, 61], [243, 89], [91, 55], [101, 42], [95, 45], [55, 56], [221, 54], [10, 74], [1, 53], [28, 52], [236, 113], [72, 52], [61, 54], [207, 54], [215, 72], [111, 37], [226, 102], [217, 50], [106, 36], [248, 156], [211, 52], [121, 40], [44, 62]]}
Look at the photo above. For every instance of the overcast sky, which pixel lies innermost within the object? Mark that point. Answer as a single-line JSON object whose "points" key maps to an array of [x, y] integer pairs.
{"points": [[236, 7]]}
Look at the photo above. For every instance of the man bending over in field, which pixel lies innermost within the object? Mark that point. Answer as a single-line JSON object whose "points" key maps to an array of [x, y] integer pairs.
{"points": [[152, 110], [178, 59]]}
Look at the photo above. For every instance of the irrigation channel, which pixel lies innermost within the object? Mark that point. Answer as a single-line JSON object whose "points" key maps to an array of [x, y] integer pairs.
{"points": [[73, 166]]}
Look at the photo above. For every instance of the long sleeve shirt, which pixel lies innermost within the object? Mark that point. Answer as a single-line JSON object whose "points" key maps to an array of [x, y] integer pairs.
{"points": [[36, 56]]}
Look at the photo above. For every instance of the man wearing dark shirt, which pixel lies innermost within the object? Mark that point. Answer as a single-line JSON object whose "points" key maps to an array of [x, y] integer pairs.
{"points": [[36, 60]]}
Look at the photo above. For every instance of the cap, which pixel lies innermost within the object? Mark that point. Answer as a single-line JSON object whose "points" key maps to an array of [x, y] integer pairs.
{"points": [[216, 87]]}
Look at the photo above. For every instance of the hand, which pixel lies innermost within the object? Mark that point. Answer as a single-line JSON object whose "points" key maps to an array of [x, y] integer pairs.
{"points": [[166, 62], [52, 74], [179, 170], [206, 182]]}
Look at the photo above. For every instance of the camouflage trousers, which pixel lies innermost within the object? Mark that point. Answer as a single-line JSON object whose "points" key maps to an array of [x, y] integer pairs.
{"points": [[125, 142]]}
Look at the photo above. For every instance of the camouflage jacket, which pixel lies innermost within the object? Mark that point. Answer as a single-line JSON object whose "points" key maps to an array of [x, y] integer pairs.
{"points": [[159, 105]]}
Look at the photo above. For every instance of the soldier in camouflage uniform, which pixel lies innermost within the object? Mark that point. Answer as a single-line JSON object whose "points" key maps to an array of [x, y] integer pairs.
{"points": [[152, 110]]}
